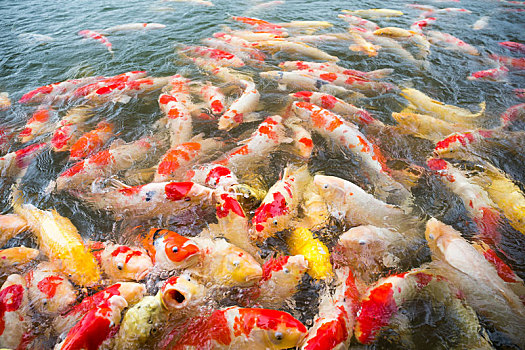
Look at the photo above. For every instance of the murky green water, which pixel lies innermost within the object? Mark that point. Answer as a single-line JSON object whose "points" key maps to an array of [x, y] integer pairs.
{"points": [[27, 63]]}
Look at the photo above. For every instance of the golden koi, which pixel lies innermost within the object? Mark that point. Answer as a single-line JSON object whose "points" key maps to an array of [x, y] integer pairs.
{"points": [[426, 127], [302, 242]]}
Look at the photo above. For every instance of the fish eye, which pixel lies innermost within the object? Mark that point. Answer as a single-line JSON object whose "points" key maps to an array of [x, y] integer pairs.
{"points": [[153, 330], [236, 263], [188, 278], [431, 236], [120, 266], [325, 186], [175, 249], [279, 335], [275, 222], [45, 302], [362, 242], [285, 270]]}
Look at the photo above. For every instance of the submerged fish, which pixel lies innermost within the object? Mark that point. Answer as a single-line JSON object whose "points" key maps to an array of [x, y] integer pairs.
{"points": [[98, 37], [375, 13]]}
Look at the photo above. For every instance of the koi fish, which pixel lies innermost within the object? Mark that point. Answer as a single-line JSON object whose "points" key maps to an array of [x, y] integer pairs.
{"points": [[393, 47], [302, 138], [266, 138], [213, 176], [451, 42], [98, 37], [476, 200], [225, 265], [48, 93], [300, 80], [481, 23], [124, 91], [371, 250], [349, 202], [120, 262], [199, 2], [213, 97], [158, 198], [268, 4], [69, 128], [247, 54], [254, 37], [169, 250], [91, 142], [306, 24], [514, 63], [419, 25], [15, 258], [245, 104], [465, 267], [235, 327], [426, 126], [60, 241], [520, 93], [338, 106], [130, 291], [359, 22], [133, 26], [85, 90], [15, 163], [498, 74], [334, 323], [280, 279], [374, 13], [181, 296], [219, 57], [232, 222], [5, 102], [361, 45], [332, 67], [97, 327], [461, 144], [259, 24], [10, 226], [302, 242], [314, 207], [295, 48], [176, 161], [280, 204], [103, 164], [15, 319], [37, 125], [512, 115], [513, 46], [449, 113], [50, 291]]}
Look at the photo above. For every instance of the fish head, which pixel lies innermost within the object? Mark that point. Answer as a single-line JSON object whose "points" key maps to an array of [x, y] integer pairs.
{"points": [[132, 292], [235, 267], [175, 250], [49, 290], [439, 237], [285, 269], [250, 197], [272, 328], [179, 291], [271, 217], [123, 263], [332, 190]]}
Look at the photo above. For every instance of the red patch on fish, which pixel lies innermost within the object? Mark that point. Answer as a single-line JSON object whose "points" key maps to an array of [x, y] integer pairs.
{"points": [[75, 169], [376, 311], [304, 95], [230, 204], [102, 158], [328, 76], [307, 142], [216, 173], [130, 191], [41, 116], [265, 319], [183, 249], [203, 331], [10, 300], [22, 154], [91, 331], [275, 264], [49, 285], [165, 98], [216, 106], [330, 334], [125, 250], [328, 101], [61, 137], [277, 207], [176, 191], [437, 164], [504, 271]]}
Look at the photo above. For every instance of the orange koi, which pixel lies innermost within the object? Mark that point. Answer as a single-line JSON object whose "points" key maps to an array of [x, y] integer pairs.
{"points": [[169, 250], [91, 142], [69, 128]]}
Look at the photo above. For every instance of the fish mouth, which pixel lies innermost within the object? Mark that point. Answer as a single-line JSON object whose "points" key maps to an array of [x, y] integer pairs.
{"points": [[175, 298], [142, 275]]}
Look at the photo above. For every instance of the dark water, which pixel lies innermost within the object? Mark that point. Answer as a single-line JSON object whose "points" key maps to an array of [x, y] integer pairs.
{"points": [[27, 63]]}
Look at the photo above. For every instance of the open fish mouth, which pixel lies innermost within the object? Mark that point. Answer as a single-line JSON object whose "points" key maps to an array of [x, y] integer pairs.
{"points": [[174, 298]]}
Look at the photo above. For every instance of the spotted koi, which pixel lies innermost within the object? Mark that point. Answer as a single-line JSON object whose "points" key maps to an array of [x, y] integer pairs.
{"points": [[245, 104], [98, 37]]}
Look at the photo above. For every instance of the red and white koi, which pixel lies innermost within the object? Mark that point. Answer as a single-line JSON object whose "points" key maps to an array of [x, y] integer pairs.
{"points": [[476, 200], [91, 142], [63, 89], [103, 164], [520, 93], [513, 46], [133, 26], [419, 25], [333, 325], [259, 24], [15, 320], [213, 176], [158, 198], [124, 91], [280, 204], [50, 291], [69, 129], [14, 163], [235, 327], [246, 54], [445, 10], [359, 22], [213, 97], [353, 82], [295, 48], [299, 80], [332, 67], [498, 74], [338, 106], [170, 251], [120, 262], [266, 5], [512, 114], [465, 267], [241, 107], [98, 37], [460, 144], [451, 42], [130, 291], [177, 160], [280, 279], [219, 57], [103, 83], [97, 327], [38, 124], [510, 62], [302, 138]]}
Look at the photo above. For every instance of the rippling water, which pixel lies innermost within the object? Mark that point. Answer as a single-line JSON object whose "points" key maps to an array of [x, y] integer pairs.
{"points": [[26, 63]]}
